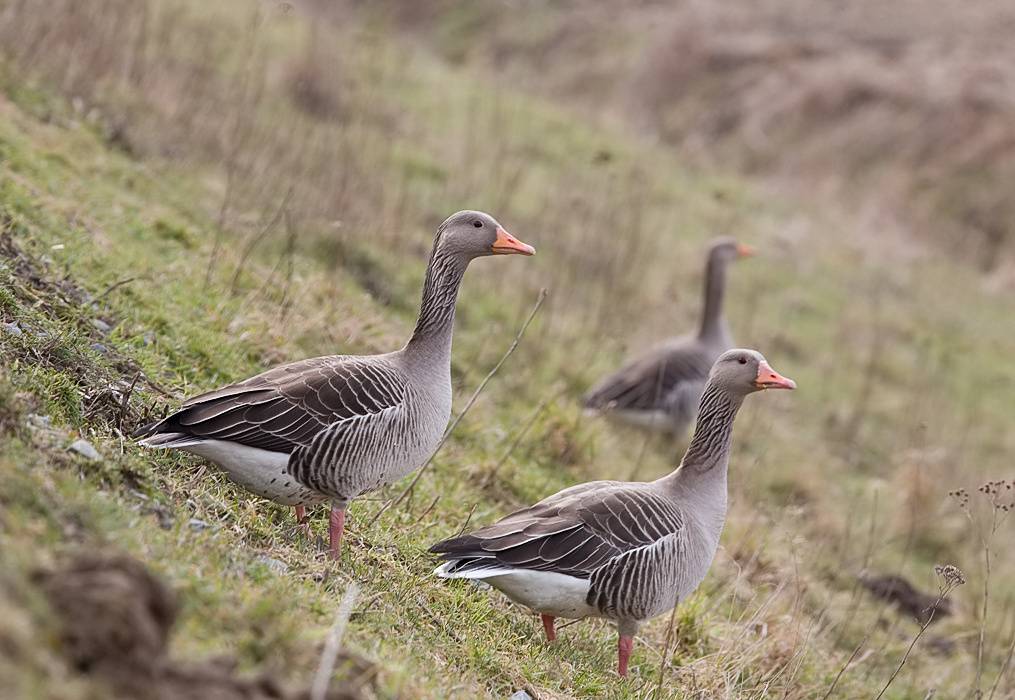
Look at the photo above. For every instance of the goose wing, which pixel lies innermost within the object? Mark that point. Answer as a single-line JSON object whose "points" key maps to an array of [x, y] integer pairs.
{"points": [[648, 381], [574, 532], [284, 407]]}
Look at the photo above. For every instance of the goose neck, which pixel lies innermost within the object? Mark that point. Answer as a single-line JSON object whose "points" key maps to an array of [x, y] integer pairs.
{"points": [[707, 457], [712, 321], [432, 335]]}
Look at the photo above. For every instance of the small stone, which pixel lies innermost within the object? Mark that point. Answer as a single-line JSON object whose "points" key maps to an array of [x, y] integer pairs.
{"points": [[521, 695], [273, 564], [85, 449], [198, 525], [102, 325], [13, 328], [37, 422], [99, 348]]}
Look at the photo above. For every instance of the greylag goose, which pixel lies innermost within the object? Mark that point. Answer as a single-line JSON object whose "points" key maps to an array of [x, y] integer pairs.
{"points": [[332, 428], [623, 550], [659, 389]]}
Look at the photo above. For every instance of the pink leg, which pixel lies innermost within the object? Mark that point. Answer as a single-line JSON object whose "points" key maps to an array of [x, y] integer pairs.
{"points": [[624, 647], [548, 626], [335, 528]]}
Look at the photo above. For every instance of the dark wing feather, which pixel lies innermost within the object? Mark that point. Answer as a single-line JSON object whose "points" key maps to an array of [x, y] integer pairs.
{"points": [[574, 532], [287, 406], [646, 381]]}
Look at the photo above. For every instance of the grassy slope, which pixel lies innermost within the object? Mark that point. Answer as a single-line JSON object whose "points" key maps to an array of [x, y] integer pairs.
{"points": [[904, 396]]}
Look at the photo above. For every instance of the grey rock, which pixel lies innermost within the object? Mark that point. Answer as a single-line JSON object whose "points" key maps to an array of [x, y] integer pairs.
{"points": [[85, 449], [37, 422], [273, 564], [13, 328]]}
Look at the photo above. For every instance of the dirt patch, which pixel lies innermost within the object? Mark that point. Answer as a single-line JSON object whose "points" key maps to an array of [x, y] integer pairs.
{"points": [[924, 607], [115, 618]]}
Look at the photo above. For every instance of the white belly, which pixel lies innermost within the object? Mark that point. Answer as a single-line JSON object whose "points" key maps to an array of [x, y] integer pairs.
{"points": [[656, 420], [261, 472], [546, 592]]}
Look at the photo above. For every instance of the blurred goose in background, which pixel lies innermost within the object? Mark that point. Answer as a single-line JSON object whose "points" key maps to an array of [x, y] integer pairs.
{"points": [[332, 428], [659, 388], [627, 551]]}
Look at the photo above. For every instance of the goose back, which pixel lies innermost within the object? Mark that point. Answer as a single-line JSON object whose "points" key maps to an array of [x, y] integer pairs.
{"points": [[325, 428], [639, 551], [659, 389]]}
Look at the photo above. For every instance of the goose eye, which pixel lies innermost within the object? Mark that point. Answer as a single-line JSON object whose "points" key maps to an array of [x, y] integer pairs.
{"points": [[477, 223], [742, 360]]}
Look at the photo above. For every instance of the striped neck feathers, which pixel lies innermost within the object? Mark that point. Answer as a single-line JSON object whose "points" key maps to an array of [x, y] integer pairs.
{"points": [[437, 310], [713, 434]]}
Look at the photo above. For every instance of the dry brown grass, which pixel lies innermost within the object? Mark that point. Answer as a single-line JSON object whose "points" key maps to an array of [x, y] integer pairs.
{"points": [[902, 108], [918, 116]]}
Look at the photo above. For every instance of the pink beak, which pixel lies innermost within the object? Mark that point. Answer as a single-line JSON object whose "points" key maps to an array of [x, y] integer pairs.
{"points": [[506, 244], [768, 378]]}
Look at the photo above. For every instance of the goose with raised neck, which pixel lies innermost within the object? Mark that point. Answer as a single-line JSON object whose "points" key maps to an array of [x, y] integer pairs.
{"points": [[332, 428], [659, 388], [627, 551]]}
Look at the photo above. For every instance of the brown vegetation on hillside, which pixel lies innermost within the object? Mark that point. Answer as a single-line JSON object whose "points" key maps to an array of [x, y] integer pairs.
{"points": [[918, 117], [906, 106]]}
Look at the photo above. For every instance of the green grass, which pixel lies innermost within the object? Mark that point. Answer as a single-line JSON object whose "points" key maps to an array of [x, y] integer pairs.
{"points": [[905, 388]]}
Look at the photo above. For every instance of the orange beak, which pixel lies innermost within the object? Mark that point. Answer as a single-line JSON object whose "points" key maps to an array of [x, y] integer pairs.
{"points": [[506, 244], [743, 250], [768, 378]]}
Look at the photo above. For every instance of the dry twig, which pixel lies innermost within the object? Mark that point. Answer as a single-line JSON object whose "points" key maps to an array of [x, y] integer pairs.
{"points": [[319, 689]]}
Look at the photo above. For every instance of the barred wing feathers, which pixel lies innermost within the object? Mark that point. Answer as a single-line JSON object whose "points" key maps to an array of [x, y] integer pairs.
{"points": [[285, 407], [575, 532], [646, 382]]}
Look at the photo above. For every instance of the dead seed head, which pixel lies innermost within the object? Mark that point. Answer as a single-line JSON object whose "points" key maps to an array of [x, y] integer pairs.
{"points": [[993, 488], [960, 495], [995, 491], [952, 575]]}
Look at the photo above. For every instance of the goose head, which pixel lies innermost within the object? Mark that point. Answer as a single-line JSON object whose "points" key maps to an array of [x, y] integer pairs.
{"points": [[472, 234], [743, 372], [725, 250]]}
